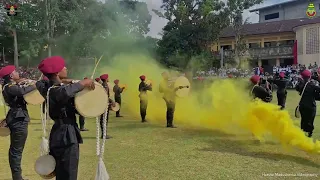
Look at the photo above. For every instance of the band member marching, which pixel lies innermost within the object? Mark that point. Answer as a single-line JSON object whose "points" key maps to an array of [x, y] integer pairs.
{"points": [[65, 135], [143, 88], [117, 95], [263, 93], [17, 118], [281, 83], [105, 79], [307, 106], [169, 96]]}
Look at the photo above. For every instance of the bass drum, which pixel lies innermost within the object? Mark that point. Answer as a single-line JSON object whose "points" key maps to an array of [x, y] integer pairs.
{"points": [[92, 103]]}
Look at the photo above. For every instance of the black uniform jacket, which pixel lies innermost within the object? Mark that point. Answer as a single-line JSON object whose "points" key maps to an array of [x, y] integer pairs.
{"points": [[311, 93], [13, 96], [143, 88], [281, 84], [260, 92], [65, 130], [117, 91]]}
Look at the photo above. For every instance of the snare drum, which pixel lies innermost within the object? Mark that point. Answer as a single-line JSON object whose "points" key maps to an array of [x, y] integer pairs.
{"points": [[45, 166]]}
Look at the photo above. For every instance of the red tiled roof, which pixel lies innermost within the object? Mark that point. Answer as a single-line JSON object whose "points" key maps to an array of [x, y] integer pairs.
{"points": [[269, 27]]}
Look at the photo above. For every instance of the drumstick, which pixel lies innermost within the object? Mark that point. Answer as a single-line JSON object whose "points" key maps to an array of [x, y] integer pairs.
{"points": [[95, 68], [40, 77]]}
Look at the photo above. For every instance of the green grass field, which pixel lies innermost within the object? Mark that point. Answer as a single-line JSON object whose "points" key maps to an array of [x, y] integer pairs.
{"points": [[150, 151]]}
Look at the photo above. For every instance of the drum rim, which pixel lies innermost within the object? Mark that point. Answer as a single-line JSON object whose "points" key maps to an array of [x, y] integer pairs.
{"points": [[77, 106]]}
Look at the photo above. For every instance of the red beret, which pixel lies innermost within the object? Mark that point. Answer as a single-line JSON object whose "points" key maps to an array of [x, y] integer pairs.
{"points": [[52, 65], [104, 76], [255, 79], [142, 77], [97, 79], [7, 70], [282, 74], [306, 74], [85, 78], [116, 81], [45, 78]]}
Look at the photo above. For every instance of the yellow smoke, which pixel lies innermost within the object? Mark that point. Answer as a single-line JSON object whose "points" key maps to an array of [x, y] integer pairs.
{"points": [[226, 105]]}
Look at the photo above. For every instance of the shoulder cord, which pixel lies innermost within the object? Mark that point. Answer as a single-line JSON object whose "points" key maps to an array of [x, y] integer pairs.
{"points": [[303, 91], [100, 148], [46, 118], [253, 89]]}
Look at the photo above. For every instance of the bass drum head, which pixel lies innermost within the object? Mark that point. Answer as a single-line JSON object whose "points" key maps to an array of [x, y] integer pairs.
{"points": [[34, 98], [4, 131], [45, 166], [92, 103], [116, 107], [182, 81]]}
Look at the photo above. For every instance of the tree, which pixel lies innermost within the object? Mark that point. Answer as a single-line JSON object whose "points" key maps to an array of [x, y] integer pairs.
{"points": [[235, 10], [26, 26], [192, 26]]}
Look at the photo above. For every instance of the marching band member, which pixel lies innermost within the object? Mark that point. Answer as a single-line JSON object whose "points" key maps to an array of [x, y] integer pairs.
{"points": [[281, 83], [143, 88], [169, 97], [307, 105], [105, 79], [17, 118], [65, 135], [117, 95], [263, 93]]}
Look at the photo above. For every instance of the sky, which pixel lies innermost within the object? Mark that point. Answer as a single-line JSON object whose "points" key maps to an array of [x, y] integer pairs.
{"points": [[158, 23]]}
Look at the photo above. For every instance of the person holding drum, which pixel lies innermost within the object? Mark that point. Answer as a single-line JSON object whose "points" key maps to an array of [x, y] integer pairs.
{"points": [[117, 95], [169, 96], [105, 79], [17, 118], [65, 135], [143, 88]]}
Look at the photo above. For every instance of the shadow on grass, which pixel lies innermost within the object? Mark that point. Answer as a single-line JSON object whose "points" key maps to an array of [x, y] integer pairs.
{"points": [[237, 147]]}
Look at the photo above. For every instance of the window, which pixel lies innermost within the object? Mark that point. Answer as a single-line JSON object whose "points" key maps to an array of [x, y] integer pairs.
{"points": [[271, 16], [312, 40]]}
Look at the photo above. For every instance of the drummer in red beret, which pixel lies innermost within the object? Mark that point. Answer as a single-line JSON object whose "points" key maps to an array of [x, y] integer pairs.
{"points": [[65, 135], [143, 88], [309, 92], [282, 84], [17, 118], [117, 95], [105, 79], [169, 96], [263, 93]]}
